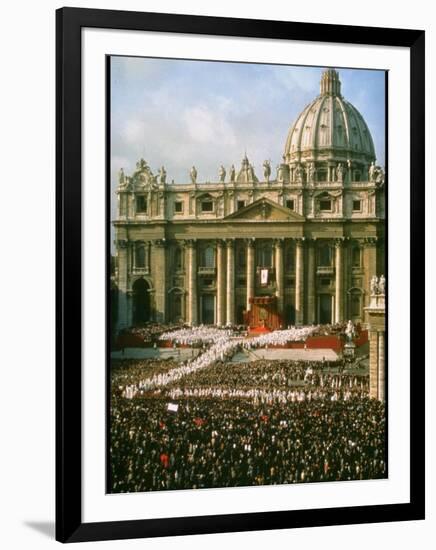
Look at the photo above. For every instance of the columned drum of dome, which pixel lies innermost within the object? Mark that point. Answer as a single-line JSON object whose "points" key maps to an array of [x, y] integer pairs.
{"points": [[303, 240]]}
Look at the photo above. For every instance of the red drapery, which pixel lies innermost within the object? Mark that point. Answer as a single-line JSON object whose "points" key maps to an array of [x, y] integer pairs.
{"points": [[263, 313]]}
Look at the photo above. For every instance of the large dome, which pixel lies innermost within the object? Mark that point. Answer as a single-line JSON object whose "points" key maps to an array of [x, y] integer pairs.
{"points": [[330, 127]]}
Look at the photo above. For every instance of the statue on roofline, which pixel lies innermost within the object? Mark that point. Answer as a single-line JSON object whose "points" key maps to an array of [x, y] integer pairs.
{"points": [[222, 174], [382, 285], [267, 170], [162, 175], [193, 175], [378, 285], [232, 173]]}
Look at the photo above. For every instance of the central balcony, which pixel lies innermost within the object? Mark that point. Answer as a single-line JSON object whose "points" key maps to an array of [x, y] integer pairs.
{"points": [[325, 270], [207, 271]]}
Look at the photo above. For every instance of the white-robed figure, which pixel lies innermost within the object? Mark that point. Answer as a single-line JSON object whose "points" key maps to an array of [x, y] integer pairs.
{"points": [[349, 331]]}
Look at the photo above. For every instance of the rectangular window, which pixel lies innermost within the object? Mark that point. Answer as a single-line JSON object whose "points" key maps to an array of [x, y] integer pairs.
{"points": [[241, 204], [357, 206], [325, 205], [178, 206], [141, 204], [140, 257], [325, 282], [322, 175], [207, 206], [356, 257], [290, 204], [325, 256]]}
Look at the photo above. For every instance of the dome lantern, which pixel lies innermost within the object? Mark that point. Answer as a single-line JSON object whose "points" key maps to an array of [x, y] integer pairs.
{"points": [[330, 83]]}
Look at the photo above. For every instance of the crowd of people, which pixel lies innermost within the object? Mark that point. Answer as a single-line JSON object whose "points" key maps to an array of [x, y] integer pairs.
{"points": [[218, 344], [126, 374], [280, 337], [196, 336], [269, 375], [211, 422], [223, 348], [215, 442], [150, 331]]}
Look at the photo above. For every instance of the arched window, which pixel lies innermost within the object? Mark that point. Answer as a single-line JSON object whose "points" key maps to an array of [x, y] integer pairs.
{"points": [[141, 302], [325, 255], [140, 256], [355, 303], [177, 307]]}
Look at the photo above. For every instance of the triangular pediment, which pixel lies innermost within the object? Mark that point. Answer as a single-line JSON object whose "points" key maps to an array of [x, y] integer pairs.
{"points": [[265, 209]]}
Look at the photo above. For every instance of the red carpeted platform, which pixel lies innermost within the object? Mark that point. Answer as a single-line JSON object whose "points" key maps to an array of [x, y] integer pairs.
{"points": [[257, 331]]}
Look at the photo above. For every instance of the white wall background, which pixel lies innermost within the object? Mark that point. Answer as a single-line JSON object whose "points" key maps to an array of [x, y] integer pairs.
{"points": [[27, 148]]}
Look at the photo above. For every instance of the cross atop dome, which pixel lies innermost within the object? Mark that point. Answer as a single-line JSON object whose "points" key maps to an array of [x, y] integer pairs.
{"points": [[330, 83]]}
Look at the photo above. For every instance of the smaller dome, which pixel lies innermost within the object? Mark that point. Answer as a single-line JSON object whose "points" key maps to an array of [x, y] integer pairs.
{"points": [[330, 123], [246, 173]]}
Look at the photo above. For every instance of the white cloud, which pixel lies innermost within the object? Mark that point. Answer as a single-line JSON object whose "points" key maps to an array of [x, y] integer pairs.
{"points": [[206, 126], [133, 131]]}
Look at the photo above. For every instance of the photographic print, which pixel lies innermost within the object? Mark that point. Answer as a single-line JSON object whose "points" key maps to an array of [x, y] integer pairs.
{"points": [[247, 292]]}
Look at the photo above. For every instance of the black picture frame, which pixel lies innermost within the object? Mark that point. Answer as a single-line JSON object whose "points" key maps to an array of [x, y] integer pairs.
{"points": [[69, 23]]}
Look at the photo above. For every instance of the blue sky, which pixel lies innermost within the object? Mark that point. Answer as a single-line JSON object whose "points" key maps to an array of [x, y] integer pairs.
{"points": [[178, 113]]}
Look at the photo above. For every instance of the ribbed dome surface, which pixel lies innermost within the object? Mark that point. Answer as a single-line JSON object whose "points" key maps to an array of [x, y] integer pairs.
{"points": [[330, 123]]}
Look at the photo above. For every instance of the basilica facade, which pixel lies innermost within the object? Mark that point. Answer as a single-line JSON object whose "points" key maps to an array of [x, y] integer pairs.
{"points": [[305, 237]]}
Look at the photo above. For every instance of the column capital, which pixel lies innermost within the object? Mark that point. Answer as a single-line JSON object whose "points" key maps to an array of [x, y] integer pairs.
{"points": [[299, 241], [159, 243], [339, 242], [219, 243], [230, 243], [122, 243], [190, 243], [250, 242], [278, 243], [311, 241], [369, 241]]}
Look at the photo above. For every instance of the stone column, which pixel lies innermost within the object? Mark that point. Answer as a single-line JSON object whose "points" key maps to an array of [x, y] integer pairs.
{"points": [[124, 301], [230, 298], [250, 271], [279, 275], [299, 282], [159, 277], [376, 328], [370, 265], [339, 310], [192, 283], [220, 284], [311, 279], [381, 365]]}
